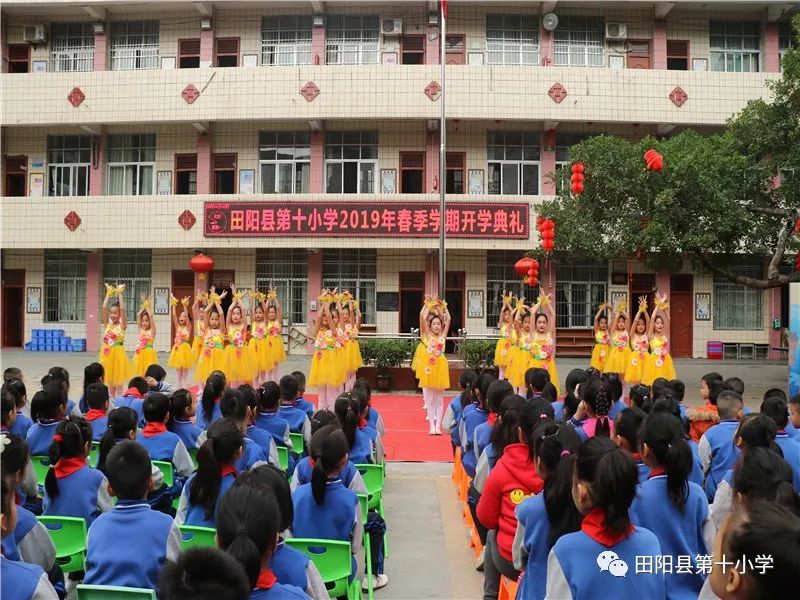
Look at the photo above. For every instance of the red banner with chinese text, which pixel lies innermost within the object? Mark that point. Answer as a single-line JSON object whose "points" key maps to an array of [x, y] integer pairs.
{"points": [[508, 220]]}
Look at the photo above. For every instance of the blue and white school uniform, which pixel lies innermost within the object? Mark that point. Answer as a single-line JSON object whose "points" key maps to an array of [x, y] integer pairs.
{"points": [[203, 421], [98, 421], [482, 437], [377, 442], [298, 422], [470, 421], [30, 542], [133, 401], [275, 425], [723, 500], [718, 453], [166, 446], [791, 454], [269, 588], [252, 456], [194, 514], [696, 476], [186, 430], [558, 410], [137, 562], [73, 410], [40, 436], [263, 439], [21, 425], [793, 431], [573, 572], [530, 547], [306, 406], [485, 465], [690, 533], [451, 419], [24, 581], [82, 491], [642, 469], [350, 476], [337, 518], [617, 408], [361, 452], [292, 567], [375, 420]]}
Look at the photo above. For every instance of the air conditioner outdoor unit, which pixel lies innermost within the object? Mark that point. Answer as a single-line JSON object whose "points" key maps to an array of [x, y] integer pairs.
{"points": [[392, 26], [34, 34], [616, 31]]}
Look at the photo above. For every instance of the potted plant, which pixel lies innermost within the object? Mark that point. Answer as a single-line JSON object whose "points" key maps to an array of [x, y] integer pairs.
{"points": [[479, 354], [385, 356]]}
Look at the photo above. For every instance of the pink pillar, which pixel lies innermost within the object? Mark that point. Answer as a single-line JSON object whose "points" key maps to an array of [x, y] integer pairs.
{"points": [[100, 52], [432, 272], [548, 170], [318, 45], [659, 44], [204, 163], [206, 47], [93, 313], [772, 57], [774, 334], [432, 45], [317, 175], [98, 170], [432, 154], [547, 284], [314, 285], [546, 48]]}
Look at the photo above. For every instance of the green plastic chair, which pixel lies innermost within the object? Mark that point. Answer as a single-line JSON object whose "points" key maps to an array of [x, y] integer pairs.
{"points": [[298, 443], [197, 537], [333, 561], [113, 592], [94, 454], [283, 458], [69, 538], [374, 480], [363, 502], [41, 464], [167, 471]]}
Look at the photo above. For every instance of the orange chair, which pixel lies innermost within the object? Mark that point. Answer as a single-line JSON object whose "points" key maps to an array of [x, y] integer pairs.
{"points": [[508, 588], [474, 538]]}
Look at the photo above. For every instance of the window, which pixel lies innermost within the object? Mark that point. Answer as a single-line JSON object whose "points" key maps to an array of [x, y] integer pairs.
{"points": [[285, 159], [454, 167], [513, 163], [736, 306], [68, 158], [565, 141], [186, 173], [351, 160], [131, 160], [354, 270], [785, 40], [134, 45], [226, 52], [71, 47], [580, 289], [286, 40], [500, 277], [224, 166], [286, 270], [412, 52], [19, 58], [64, 286], [412, 172], [189, 53], [352, 40], [735, 46], [512, 40], [579, 41], [133, 267], [677, 55]]}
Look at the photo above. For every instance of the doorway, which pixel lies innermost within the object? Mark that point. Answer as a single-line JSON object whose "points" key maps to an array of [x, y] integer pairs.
{"points": [[642, 284], [412, 295], [454, 46], [16, 174], [182, 286], [681, 315], [13, 308], [222, 280], [454, 296]]}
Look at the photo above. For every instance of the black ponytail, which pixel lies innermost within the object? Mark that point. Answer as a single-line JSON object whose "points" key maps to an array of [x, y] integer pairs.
{"points": [[16, 454], [612, 477], [323, 418], [504, 432], [467, 382], [328, 448], [484, 381], [763, 475], [17, 389], [346, 410], [758, 431], [597, 395], [223, 442], [495, 394], [215, 385], [180, 402], [47, 402], [247, 526], [627, 425], [663, 434], [531, 414], [574, 377], [269, 396], [121, 421], [69, 441], [92, 373], [640, 396]]}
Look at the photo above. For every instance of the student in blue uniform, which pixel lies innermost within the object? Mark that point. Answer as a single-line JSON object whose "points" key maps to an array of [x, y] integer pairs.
{"points": [[300, 402], [48, 408], [72, 488], [258, 435], [289, 565], [325, 423], [215, 474], [137, 562], [455, 409], [615, 390], [181, 411], [60, 376], [718, 453], [203, 574], [626, 432], [668, 404], [233, 406], [19, 393], [269, 419], [778, 410], [472, 416], [793, 428], [591, 419], [296, 417], [155, 376], [19, 580], [582, 564], [374, 436], [495, 394], [133, 397], [92, 373], [506, 432], [373, 417], [96, 395], [208, 407], [669, 505], [536, 379], [346, 410], [247, 529], [542, 519]]}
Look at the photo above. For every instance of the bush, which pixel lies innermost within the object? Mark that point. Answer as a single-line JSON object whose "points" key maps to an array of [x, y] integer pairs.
{"points": [[478, 354], [384, 354]]}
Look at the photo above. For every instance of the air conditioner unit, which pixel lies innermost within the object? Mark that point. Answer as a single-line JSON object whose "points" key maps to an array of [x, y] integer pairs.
{"points": [[392, 26], [616, 31], [34, 34]]}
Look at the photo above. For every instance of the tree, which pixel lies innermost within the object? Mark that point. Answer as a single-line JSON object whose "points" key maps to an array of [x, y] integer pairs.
{"points": [[716, 198]]}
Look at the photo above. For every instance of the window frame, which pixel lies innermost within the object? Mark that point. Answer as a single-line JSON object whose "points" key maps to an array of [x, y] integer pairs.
{"points": [[138, 165], [361, 162], [59, 166], [495, 164], [462, 168], [356, 35], [502, 262], [336, 260], [138, 283], [66, 281], [219, 156], [293, 28], [218, 54], [12, 59], [567, 26], [785, 40], [405, 155], [286, 269], [188, 54], [687, 57], [750, 301], [77, 53], [571, 279], [182, 169], [727, 53], [299, 164], [145, 56], [512, 42]]}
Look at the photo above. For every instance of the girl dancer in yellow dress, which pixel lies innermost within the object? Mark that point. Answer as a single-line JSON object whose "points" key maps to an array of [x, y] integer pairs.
{"points": [[240, 365], [602, 340], [276, 353], [501, 350], [351, 317], [198, 312], [258, 337], [639, 345], [144, 355], [212, 356], [117, 368], [434, 322], [659, 361], [326, 372], [620, 346], [181, 357], [543, 348], [520, 354]]}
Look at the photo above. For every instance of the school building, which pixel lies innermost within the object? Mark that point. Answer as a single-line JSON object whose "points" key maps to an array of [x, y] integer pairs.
{"points": [[297, 144]]}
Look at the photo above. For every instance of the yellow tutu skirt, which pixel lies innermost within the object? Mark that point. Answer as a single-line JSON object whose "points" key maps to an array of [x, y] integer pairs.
{"points": [[276, 353], [434, 371], [617, 360], [197, 347], [181, 357], [240, 364], [258, 347], [502, 352], [117, 367], [416, 360], [548, 365], [518, 363], [353, 351], [143, 359], [327, 368], [600, 356], [658, 366], [208, 363], [635, 367]]}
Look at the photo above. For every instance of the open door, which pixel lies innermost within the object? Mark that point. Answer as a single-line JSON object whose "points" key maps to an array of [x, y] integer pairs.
{"points": [[13, 303], [412, 295], [454, 295], [681, 315], [222, 280], [182, 286]]}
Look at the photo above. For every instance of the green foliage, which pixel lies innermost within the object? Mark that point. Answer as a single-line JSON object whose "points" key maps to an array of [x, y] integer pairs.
{"points": [[384, 354], [478, 354]]}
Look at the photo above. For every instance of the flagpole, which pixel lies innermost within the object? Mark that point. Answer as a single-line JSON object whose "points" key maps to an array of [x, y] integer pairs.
{"points": [[442, 155]]}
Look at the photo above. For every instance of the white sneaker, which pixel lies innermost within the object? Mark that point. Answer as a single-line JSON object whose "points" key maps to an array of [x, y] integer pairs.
{"points": [[378, 581], [432, 430], [479, 561]]}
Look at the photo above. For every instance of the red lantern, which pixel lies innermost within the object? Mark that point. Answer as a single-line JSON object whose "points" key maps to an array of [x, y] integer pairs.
{"points": [[548, 245], [548, 224], [532, 281], [578, 168], [530, 272], [522, 265], [577, 188], [548, 234], [653, 160], [540, 220], [201, 263], [577, 177]]}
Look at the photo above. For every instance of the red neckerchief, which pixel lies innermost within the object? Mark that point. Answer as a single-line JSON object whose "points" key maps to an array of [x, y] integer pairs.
{"points": [[636, 456], [362, 422], [266, 579], [67, 466], [94, 414], [17, 498], [312, 462], [227, 470], [492, 418], [656, 472], [133, 392], [592, 526], [153, 429]]}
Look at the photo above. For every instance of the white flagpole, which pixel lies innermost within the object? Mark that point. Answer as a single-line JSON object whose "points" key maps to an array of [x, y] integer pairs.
{"points": [[442, 156]]}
